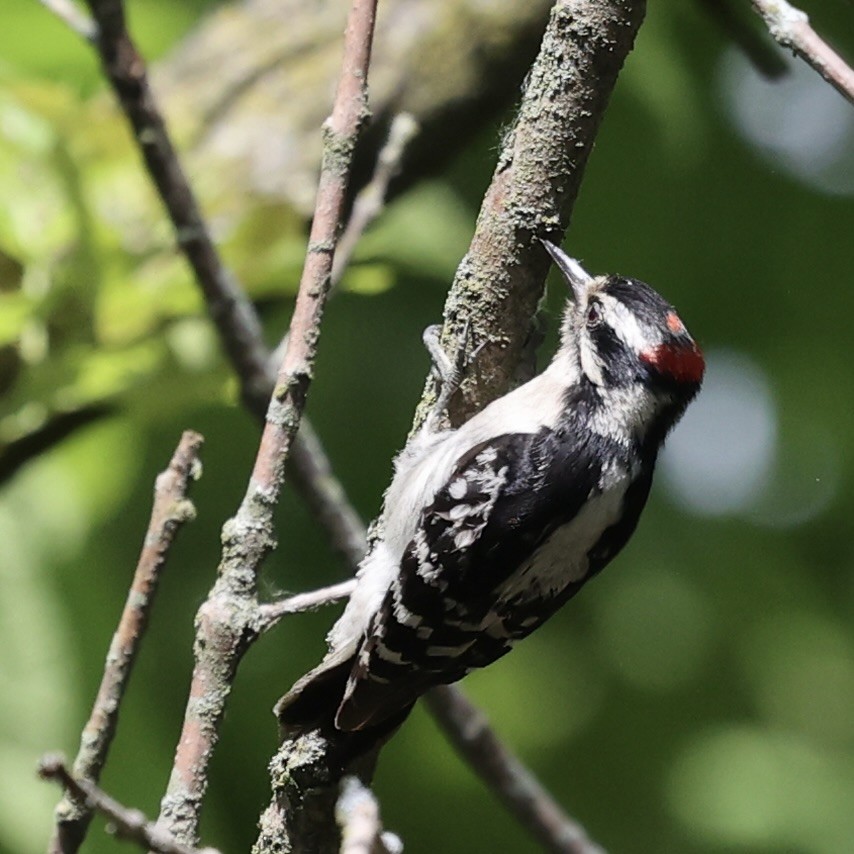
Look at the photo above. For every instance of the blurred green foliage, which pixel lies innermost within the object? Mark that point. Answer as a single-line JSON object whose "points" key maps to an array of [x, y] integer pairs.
{"points": [[696, 698]]}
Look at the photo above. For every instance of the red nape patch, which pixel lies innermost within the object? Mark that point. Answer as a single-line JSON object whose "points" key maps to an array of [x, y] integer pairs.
{"points": [[674, 324], [682, 362]]}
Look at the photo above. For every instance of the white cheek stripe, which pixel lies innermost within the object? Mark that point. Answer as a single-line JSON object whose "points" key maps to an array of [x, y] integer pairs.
{"points": [[591, 364], [626, 325]]}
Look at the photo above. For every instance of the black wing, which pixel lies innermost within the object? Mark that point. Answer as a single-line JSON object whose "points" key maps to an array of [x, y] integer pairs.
{"points": [[503, 500]]}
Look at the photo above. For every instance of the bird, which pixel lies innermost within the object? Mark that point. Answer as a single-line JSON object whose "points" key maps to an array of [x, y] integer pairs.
{"points": [[491, 527]]}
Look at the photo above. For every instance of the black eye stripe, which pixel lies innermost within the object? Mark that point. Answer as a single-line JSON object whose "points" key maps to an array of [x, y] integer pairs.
{"points": [[594, 314], [616, 360]]}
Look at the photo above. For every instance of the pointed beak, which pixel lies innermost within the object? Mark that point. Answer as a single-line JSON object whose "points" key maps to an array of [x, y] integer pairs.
{"points": [[576, 276]]}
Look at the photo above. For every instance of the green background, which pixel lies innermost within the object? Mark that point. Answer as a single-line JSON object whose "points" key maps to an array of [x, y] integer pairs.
{"points": [[696, 698]]}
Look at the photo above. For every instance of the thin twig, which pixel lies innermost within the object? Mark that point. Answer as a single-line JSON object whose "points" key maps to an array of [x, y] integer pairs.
{"points": [[791, 28], [271, 613], [128, 823], [519, 791], [358, 815], [228, 622], [170, 511], [370, 200], [73, 18]]}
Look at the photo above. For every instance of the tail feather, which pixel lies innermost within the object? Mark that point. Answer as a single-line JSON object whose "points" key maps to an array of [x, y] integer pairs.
{"points": [[309, 710], [314, 699], [369, 703]]}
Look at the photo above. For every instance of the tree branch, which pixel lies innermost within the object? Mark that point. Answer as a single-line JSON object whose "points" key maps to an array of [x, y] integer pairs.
{"points": [[520, 792], [358, 816], [791, 28], [371, 198], [270, 614], [128, 823], [171, 510], [499, 282], [311, 472], [228, 622]]}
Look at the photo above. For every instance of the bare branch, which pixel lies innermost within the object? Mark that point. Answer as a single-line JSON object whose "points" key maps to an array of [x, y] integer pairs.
{"points": [[791, 28], [371, 198], [519, 791], [311, 473], [73, 18], [228, 622], [129, 824], [540, 167], [270, 614], [171, 509], [358, 816]]}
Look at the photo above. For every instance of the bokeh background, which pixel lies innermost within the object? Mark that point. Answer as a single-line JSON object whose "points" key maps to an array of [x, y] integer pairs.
{"points": [[696, 698]]}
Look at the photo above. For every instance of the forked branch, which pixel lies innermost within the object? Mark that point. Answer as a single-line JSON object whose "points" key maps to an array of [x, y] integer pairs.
{"points": [[127, 823]]}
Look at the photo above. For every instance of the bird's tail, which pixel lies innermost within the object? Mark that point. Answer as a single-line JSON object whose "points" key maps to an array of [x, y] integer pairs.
{"points": [[314, 699], [311, 705]]}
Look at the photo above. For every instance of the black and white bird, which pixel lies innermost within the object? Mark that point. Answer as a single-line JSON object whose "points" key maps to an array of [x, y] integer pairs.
{"points": [[489, 528]]}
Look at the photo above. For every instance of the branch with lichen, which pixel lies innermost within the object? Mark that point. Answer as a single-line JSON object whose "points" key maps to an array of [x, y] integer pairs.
{"points": [[171, 509], [228, 621], [126, 823], [499, 282]]}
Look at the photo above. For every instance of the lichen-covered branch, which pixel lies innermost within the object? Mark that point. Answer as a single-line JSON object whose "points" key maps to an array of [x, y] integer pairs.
{"points": [[229, 619], [127, 823], [540, 167], [172, 508], [791, 28]]}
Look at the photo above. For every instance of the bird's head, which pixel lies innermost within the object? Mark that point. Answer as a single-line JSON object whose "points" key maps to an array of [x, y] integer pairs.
{"points": [[629, 343]]}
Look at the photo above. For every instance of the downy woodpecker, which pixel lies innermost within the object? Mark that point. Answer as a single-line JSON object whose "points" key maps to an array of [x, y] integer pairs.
{"points": [[489, 528]]}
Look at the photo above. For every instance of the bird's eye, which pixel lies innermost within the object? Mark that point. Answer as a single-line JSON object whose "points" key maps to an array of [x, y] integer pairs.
{"points": [[594, 315]]}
